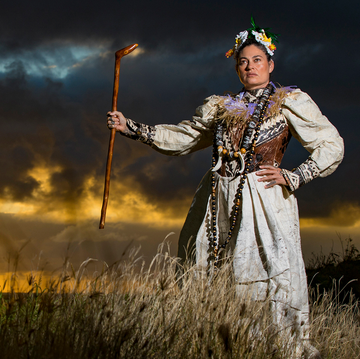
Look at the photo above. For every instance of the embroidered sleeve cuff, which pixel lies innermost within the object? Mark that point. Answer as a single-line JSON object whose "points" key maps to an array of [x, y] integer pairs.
{"points": [[291, 179], [140, 132], [305, 173]]}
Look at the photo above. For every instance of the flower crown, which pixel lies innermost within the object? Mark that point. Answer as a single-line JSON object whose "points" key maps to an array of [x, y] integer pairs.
{"points": [[262, 36]]}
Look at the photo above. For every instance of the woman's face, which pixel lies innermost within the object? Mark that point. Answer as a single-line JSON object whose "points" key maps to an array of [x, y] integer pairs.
{"points": [[253, 68]]}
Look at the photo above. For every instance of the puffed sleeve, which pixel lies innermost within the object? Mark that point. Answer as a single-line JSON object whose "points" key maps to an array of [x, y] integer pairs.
{"points": [[177, 140], [316, 134]]}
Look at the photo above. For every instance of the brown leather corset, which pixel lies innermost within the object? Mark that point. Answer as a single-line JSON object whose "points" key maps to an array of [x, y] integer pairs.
{"points": [[270, 146]]}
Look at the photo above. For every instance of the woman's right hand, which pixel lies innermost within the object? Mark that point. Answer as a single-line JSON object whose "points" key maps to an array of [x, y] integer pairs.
{"points": [[116, 120]]}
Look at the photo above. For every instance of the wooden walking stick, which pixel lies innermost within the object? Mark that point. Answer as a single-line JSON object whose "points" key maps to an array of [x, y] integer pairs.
{"points": [[118, 55]]}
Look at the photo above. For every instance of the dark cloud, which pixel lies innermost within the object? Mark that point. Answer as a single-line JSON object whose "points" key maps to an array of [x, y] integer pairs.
{"points": [[56, 73], [178, 20]]}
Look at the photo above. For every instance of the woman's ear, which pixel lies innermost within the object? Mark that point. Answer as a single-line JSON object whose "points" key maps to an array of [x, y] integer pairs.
{"points": [[271, 66], [237, 68]]}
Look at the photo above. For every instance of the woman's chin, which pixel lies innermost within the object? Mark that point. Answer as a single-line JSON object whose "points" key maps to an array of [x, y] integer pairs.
{"points": [[253, 84]]}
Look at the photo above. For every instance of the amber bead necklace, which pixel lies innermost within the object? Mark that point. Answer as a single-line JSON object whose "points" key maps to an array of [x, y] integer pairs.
{"points": [[248, 150]]}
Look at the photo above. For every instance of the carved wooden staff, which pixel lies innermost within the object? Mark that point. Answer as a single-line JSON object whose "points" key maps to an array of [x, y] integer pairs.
{"points": [[118, 55]]}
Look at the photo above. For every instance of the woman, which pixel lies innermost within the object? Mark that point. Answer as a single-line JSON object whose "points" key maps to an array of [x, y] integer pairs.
{"points": [[245, 203]]}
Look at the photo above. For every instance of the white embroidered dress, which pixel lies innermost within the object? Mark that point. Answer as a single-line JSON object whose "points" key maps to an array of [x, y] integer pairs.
{"points": [[266, 241]]}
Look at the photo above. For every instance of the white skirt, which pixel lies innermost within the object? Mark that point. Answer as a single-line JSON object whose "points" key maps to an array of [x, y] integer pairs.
{"points": [[265, 244]]}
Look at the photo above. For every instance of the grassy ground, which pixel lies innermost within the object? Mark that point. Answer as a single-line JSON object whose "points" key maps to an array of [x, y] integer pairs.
{"points": [[339, 272], [129, 312]]}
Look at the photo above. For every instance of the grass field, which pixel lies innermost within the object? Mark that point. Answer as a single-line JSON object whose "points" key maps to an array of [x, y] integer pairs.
{"points": [[129, 312]]}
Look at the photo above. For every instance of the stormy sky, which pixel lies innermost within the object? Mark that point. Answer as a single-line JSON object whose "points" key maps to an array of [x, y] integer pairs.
{"points": [[56, 79]]}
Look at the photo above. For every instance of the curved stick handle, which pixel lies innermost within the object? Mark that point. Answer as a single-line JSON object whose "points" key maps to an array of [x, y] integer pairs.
{"points": [[118, 55]]}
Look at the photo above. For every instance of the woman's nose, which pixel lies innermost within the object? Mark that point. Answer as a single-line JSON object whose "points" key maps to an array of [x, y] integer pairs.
{"points": [[249, 66]]}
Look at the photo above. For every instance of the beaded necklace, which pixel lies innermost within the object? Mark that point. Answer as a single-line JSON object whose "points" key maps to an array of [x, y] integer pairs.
{"points": [[247, 148]]}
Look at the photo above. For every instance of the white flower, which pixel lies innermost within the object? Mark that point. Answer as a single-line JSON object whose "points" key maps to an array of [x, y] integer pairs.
{"points": [[264, 40], [257, 35], [240, 39]]}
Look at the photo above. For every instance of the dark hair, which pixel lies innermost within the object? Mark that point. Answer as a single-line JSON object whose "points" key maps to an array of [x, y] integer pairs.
{"points": [[249, 42]]}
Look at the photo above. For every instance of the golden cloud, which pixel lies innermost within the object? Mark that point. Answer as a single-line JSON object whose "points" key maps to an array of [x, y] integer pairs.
{"points": [[341, 215], [128, 203]]}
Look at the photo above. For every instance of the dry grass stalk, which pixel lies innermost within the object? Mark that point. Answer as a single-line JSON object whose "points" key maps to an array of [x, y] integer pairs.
{"points": [[129, 312]]}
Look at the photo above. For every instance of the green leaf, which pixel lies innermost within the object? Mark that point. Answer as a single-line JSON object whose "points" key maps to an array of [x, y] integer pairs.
{"points": [[274, 37]]}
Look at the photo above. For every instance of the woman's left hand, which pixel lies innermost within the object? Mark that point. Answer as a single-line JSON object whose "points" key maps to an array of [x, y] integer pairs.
{"points": [[272, 175]]}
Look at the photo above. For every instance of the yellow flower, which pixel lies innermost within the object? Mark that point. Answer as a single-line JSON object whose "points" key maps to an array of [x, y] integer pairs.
{"points": [[265, 38], [272, 47], [229, 53]]}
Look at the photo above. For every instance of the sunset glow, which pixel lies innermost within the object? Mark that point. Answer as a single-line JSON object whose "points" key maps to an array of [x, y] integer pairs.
{"points": [[56, 86]]}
